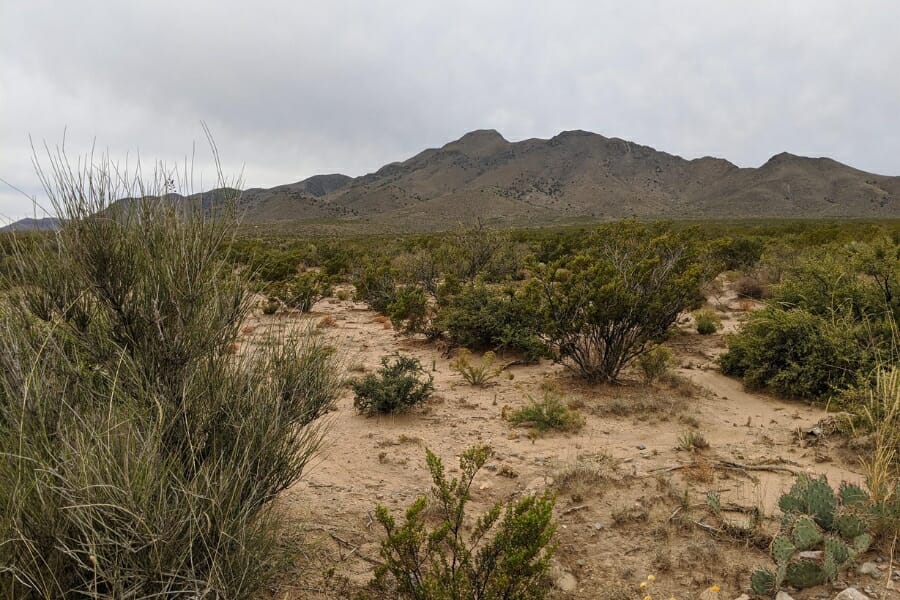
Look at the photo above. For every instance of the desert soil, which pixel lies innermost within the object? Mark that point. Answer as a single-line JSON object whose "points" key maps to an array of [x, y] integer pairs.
{"points": [[630, 502]]}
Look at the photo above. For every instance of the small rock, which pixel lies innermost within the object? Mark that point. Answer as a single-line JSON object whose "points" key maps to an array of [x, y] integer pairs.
{"points": [[812, 554], [851, 593], [641, 447], [783, 596], [598, 526], [868, 568], [709, 594], [743, 597], [564, 580]]}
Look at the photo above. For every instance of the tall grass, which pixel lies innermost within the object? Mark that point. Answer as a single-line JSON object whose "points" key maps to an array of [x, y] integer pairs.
{"points": [[139, 456]]}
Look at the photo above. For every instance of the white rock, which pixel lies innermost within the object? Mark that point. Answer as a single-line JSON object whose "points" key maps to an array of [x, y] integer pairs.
{"points": [[868, 568], [812, 554], [743, 597], [783, 596], [851, 593]]}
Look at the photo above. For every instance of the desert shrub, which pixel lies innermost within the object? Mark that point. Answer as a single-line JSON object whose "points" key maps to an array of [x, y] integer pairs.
{"points": [[478, 374], [436, 552], [607, 305], [797, 353], [481, 252], [655, 363], [739, 253], [479, 317], [301, 291], [376, 285], [828, 322], [706, 321], [139, 457], [545, 414], [411, 309], [399, 385], [750, 286]]}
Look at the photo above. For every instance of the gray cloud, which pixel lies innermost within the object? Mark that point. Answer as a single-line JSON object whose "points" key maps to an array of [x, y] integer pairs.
{"points": [[291, 89]]}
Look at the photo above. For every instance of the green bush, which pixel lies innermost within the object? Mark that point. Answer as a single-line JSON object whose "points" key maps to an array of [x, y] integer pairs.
{"points": [[411, 310], [504, 556], [607, 305], [546, 414], [376, 285], [706, 321], [479, 317], [301, 291], [398, 386], [799, 354], [140, 456], [655, 363], [827, 324]]}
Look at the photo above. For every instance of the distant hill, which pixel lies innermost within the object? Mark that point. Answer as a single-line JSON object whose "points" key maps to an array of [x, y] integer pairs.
{"points": [[576, 174], [28, 224]]}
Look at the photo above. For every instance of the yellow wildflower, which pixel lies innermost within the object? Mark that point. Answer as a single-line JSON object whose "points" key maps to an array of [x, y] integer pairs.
{"points": [[651, 578], [715, 589], [647, 597], [643, 585]]}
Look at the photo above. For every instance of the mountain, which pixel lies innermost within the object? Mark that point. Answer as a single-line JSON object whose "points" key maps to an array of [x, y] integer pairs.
{"points": [[577, 174], [28, 224], [573, 175]]}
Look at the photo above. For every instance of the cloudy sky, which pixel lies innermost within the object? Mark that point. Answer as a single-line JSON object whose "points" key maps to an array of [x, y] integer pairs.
{"points": [[291, 88]]}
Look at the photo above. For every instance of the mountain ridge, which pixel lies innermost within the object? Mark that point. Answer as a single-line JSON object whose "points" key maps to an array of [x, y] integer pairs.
{"points": [[574, 174]]}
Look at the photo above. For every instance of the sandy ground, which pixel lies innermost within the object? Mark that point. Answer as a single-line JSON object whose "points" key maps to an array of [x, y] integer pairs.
{"points": [[639, 505]]}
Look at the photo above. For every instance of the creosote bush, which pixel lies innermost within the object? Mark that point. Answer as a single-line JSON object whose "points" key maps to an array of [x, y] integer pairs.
{"points": [[437, 552], [138, 455], [604, 306], [399, 385]]}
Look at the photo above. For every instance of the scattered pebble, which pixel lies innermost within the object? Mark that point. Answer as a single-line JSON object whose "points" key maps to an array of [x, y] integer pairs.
{"points": [[851, 593]]}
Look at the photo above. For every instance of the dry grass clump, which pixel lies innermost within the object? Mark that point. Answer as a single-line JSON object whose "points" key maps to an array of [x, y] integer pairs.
{"points": [[585, 476], [480, 374], [548, 413]]}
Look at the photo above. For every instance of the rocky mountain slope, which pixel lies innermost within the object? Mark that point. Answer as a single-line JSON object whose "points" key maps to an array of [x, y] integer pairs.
{"points": [[573, 175]]}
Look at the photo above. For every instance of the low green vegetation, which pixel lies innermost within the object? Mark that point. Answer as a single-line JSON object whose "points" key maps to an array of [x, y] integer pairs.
{"points": [[548, 413], [399, 385], [438, 551]]}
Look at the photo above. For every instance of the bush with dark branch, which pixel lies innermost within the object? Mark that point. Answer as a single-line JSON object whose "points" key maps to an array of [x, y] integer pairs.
{"points": [[607, 305], [140, 455]]}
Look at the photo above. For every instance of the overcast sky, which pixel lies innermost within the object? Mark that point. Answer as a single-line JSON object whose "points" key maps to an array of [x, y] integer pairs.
{"points": [[297, 87]]}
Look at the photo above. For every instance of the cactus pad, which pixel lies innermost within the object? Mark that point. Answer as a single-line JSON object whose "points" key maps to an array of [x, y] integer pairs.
{"points": [[763, 582], [804, 574], [805, 533], [782, 549], [852, 495]]}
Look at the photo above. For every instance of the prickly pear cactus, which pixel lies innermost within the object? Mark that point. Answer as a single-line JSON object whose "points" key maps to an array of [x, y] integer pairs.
{"points": [[816, 518]]}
